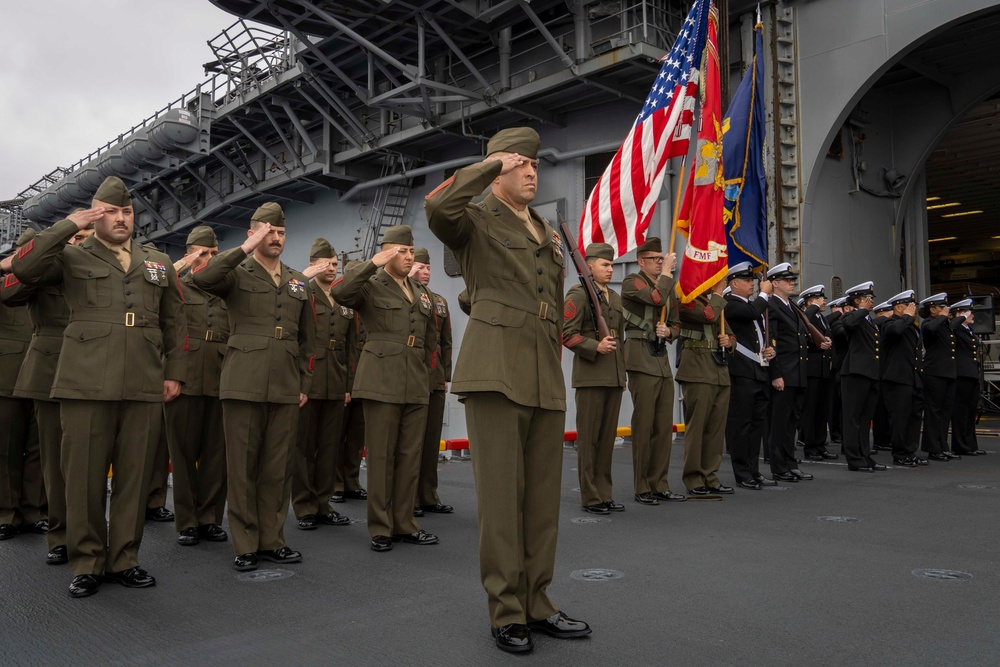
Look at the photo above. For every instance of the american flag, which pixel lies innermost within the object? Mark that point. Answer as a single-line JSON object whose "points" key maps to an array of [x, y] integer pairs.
{"points": [[621, 205]]}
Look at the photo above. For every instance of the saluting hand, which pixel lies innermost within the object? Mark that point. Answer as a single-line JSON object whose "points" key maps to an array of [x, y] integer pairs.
{"points": [[256, 238], [314, 270], [171, 390], [826, 344], [510, 161], [911, 310], [384, 257], [83, 219], [607, 346], [188, 260]]}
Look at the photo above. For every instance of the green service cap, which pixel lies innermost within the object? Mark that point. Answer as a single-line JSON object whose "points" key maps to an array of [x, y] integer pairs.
{"points": [[321, 249], [652, 244], [203, 235], [114, 192], [401, 234], [601, 251], [421, 256], [26, 236], [270, 212], [521, 140]]}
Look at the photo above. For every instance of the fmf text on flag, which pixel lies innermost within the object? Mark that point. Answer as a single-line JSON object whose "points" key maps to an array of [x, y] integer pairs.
{"points": [[621, 205]]}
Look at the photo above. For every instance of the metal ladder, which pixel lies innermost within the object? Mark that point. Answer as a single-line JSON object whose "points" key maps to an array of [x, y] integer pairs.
{"points": [[388, 205], [786, 110]]}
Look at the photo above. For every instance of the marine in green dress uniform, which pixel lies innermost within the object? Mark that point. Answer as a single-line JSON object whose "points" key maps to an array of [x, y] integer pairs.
{"points": [[195, 436], [510, 377], [440, 375], [392, 379], [347, 481], [265, 380], [321, 420], [650, 379], [599, 380], [121, 359]]}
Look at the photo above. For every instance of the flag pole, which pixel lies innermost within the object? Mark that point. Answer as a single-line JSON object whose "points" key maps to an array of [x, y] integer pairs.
{"points": [[677, 204]]}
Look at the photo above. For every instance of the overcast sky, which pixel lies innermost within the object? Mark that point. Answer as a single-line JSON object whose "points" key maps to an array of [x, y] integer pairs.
{"points": [[75, 74]]}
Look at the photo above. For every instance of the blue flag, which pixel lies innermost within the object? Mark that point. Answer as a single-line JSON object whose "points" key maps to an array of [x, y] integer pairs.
{"points": [[743, 149]]}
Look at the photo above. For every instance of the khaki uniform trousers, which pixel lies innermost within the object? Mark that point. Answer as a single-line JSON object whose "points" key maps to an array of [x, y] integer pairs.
{"points": [[22, 491], [427, 493], [597, 411], [517, 461], [652, 430], [394, 433], [97, 435], [706, 409], [50, 449], [259, 441], [197, 445], [161, 470], [321, 429], [348, 477]]}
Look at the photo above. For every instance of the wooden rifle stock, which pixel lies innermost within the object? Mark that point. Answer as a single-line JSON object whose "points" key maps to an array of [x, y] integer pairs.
{"points": [[587, 280], [817, 335]]}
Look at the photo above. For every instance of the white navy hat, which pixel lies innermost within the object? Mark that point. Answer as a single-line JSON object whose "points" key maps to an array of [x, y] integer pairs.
{"points": [[837, 303], [903, 297], [964, 304], [728, 290], [783, 270], [864, 289], [801, 302], [815, 290], [741, 270], [882, 307], [939, 299]]}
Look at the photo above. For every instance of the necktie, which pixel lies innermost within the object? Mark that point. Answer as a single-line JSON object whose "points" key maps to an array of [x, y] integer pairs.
{"points": [[123, 257]]}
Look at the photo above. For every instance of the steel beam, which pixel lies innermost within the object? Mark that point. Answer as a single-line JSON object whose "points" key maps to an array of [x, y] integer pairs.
{"points": [[546, 34], [281, 134], [152, 210], [330, 119], [236, 172], [297, 124], [258, 144], [458, 53]]}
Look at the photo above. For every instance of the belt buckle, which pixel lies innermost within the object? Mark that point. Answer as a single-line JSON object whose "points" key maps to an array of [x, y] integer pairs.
{"points": [[278, 332], [411, 340], [130, 319], [543, 310], [333, 344], [614, 334], [209, 335]]}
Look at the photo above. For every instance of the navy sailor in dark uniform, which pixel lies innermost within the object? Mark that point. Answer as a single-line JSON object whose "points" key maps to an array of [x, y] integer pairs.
{"points": [[939, 376], [963, 415], [859, 378], [902, 386], [819, 371]]}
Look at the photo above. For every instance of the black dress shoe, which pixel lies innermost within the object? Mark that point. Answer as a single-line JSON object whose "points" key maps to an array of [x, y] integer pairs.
{"points": [[646, 499], [283, 555], [308, 522], [951, 455], [765, 481], [814, 457], [418, 512], [669, 496], [245, 562], [359, 494], [381, 543], [212, 532], [561, 626], [438, 508], [599, 508], [159, 514], [83, 586], [920, 462], [614, 507], [134, 577], [421, 537], [786, 477], [39, 527], [801, 475], [904, 463], [7, 531], [513, 638], [937, 457], [861, 468], [57, 556], [878, 466], [751, 484], [699, 491], [978, 452], [722, 488], [188, 537], [337, 497], [829, 456], [333, 519]]}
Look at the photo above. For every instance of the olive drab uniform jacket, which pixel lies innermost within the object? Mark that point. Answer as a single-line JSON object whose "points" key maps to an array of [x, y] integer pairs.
{"points": [[394, 362], [513, 342], [642, 301], [49, 316], [272, 332], [440, 372], [699, 334], [15, 336], [126, 329], [591, 368], [206, 340], [334, 339]]}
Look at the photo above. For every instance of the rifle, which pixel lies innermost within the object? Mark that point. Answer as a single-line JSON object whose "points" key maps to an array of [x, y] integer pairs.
{"points": [[587, 280], [817, 336]]}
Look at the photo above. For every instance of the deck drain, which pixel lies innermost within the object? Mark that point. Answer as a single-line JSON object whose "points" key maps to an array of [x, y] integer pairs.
{"points": [[589, 519], [839, 519], [976, 487], [596, 574], [942, 575], [265, 575]]}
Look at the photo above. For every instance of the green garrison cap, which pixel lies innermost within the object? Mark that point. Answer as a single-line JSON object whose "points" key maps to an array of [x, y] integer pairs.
{"points": [[270, 212], [321, 249], [652, 244], [203, 235], [601, 251], [114, 192], [25, 236], [401, 234], [421, 256], [521, 140]]}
